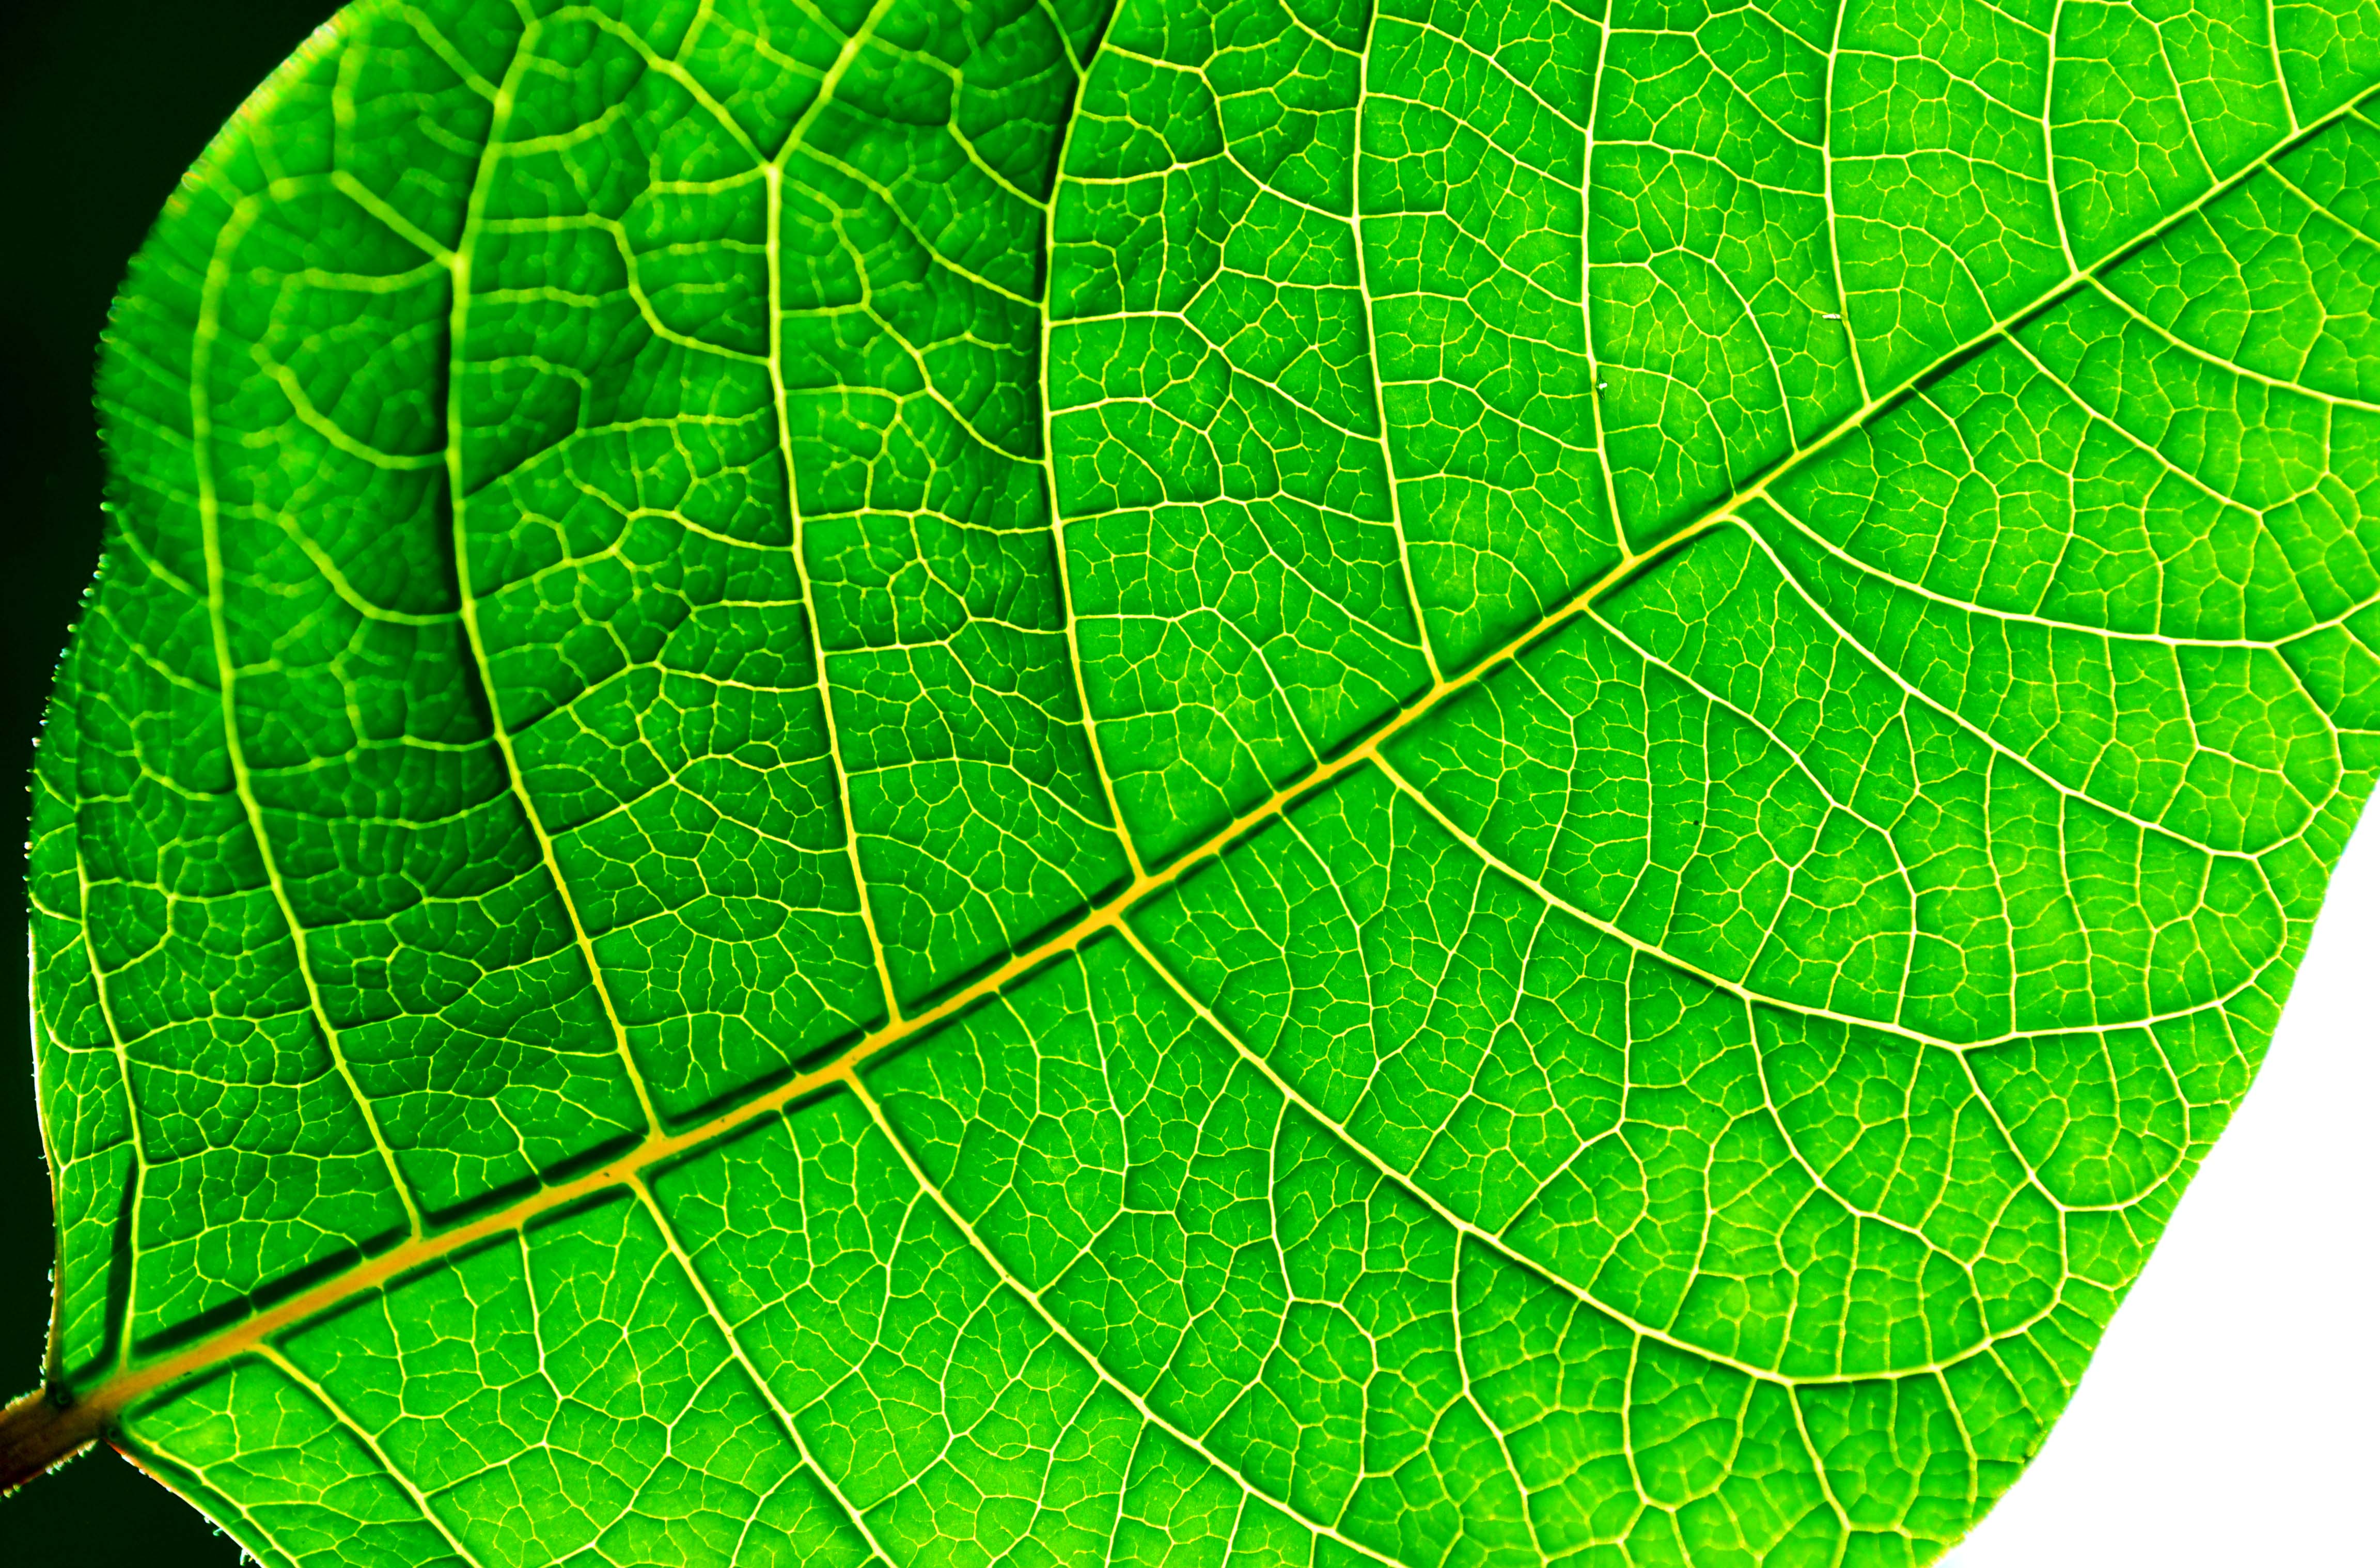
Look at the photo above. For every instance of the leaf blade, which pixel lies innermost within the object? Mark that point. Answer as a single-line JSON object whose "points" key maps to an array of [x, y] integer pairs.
{"points": [[1855, 1414]]}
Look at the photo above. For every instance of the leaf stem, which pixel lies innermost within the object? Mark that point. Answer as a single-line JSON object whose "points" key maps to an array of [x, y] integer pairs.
{"points": [[41, 1431]]}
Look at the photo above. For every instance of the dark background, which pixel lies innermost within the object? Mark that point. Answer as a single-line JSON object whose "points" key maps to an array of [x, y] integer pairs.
{"points": [[102, 105]]}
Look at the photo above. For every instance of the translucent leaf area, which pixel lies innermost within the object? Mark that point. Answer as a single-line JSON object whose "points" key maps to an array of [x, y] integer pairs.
{"points": [[1238, 782]]}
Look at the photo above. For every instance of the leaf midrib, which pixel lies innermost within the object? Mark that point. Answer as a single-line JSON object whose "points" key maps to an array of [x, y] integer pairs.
{"points": [[98, 1407]]}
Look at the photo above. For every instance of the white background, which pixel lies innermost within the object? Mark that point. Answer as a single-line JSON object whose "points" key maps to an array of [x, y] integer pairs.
{"points": [[2232, 1415]]}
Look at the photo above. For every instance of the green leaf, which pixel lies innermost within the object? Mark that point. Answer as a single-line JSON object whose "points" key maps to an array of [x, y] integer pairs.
{"points": [[978, 784]]}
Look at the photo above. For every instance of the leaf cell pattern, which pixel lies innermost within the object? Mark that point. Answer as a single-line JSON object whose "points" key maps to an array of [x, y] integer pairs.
{"points": [[968, 782]]}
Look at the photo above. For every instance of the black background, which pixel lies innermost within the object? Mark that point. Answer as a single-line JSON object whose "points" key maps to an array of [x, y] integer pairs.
{"points": [[102, 105]]}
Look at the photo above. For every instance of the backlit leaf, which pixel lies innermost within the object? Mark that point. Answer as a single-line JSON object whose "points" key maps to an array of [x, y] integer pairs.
{"points": [[1235, 781]]}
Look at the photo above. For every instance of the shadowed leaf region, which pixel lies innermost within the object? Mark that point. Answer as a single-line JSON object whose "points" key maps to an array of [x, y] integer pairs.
{"points": [[965, 783]]}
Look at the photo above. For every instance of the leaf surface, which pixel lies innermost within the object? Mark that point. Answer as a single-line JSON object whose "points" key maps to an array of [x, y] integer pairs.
{"points": [[1005, 783]]}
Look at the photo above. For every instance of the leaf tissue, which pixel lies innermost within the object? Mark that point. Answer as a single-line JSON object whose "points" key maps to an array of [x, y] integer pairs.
{"points": [[1204, 783]]}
